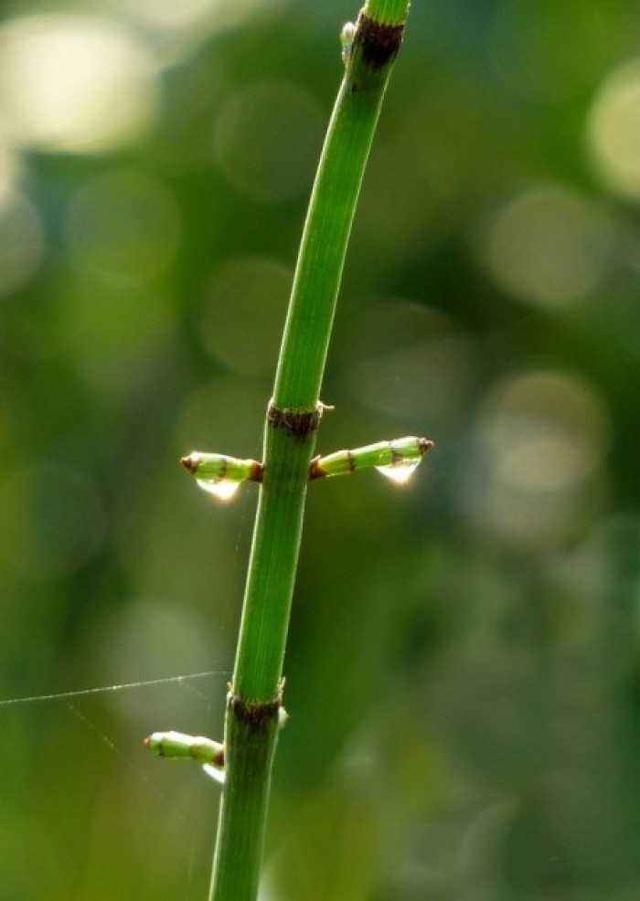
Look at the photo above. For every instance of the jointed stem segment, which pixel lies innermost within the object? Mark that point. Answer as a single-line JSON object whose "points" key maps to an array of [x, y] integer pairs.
{"points": [[216, 468], [400, 452], [288, 450], [387, 12], [220, 467], [333, 203], [254, 704], [176, 745]]}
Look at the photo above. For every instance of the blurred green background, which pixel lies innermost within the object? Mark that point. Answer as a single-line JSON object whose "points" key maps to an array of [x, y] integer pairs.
{"points": [[463, 674]]}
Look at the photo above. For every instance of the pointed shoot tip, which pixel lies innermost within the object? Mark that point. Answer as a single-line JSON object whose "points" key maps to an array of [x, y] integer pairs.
{"points": [[190, 463], [151, 743]]}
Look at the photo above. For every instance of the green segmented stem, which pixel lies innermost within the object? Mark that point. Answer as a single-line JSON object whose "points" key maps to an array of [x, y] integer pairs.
{"points": [[208, 467], [333, 204], [387, 12], [175, 745], [220, 467], [251, 723], [384, 453]]}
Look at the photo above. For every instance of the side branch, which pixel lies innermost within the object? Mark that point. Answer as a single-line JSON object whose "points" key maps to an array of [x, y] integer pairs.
{"points": [[176, 745], [220, 468], [401, 454]]}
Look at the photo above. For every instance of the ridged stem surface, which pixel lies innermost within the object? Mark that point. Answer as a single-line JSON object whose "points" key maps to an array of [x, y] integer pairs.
{"points": [[253, 709]]}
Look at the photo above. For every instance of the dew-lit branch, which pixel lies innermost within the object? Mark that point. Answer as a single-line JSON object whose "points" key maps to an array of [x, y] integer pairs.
{"points": [[220, 475], [219, 466], [395, 459]]}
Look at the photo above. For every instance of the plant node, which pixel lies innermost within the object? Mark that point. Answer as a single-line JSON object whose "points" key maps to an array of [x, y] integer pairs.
{"points": [[299, 423], [255, 714], [379, 43]]}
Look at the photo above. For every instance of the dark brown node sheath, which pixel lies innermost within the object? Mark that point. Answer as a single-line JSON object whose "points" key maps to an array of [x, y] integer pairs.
{"points": [[255, 714], [257, 471], [379, 43], [218, 759], [316, 471], [298, 423]]}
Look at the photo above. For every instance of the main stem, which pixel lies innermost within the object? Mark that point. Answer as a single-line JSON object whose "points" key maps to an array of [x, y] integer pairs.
{"points": [[255, 696]]}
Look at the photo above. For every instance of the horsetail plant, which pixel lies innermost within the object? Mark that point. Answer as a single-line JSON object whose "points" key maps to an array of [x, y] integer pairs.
{"points": [[254, 702]]}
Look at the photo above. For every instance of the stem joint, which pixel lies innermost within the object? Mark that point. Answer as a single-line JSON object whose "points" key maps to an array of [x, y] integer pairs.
{"points": [[299, 423], [255, 714], [378, 42]]}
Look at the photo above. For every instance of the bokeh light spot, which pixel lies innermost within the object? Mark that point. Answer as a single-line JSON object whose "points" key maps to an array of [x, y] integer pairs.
{"points": [[21, 242], [549, 245], [267, 139], [10, 169], [405, 360], [614, 129], [74, 83], [541, 439], [53, 521], [207, 15], [531, 53], [114, 334], [161, 634], [123, 226], [544, 430], [244, 314]]}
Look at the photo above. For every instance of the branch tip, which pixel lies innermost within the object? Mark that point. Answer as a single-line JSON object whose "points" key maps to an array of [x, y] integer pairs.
{"points": [[190, 463]]}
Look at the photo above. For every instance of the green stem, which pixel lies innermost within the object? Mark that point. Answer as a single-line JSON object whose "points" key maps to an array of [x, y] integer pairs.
{"points": [[389, 12], [399, 453], [176, 745], [251, 724]]}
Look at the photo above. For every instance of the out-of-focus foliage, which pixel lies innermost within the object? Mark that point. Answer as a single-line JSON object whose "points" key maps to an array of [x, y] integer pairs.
{"points": [[463, 668]]}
